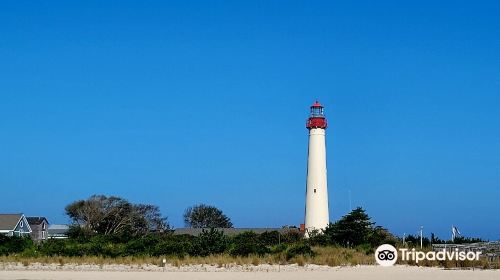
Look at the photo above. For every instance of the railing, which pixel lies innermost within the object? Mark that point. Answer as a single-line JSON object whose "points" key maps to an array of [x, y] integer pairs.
{"points": [[316, 123]]}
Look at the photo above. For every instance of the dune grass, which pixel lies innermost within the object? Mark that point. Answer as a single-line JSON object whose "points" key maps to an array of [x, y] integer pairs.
{"points": [[329, 256], [332, 256]]}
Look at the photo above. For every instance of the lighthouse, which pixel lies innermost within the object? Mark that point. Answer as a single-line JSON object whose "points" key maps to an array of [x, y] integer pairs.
{"points": [[317, 217]]}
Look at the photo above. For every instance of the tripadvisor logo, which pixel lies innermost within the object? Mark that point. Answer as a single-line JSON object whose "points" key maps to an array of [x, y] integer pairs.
{"points": [[387, 255]]}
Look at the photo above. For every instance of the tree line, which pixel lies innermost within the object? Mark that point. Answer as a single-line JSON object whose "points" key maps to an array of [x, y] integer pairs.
{"points": [[111, 226], [110, 215]]}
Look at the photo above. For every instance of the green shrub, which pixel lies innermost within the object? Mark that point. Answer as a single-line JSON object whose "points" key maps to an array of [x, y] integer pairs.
{"points": [[319, 239], [14, 244], [113, 250], [172, 248], [142, 246], [270, 238], [278, 249], [210, 242], [52, 247], [73, 249], [30, 252], [302, 248], [292, 236], [248, 243]]}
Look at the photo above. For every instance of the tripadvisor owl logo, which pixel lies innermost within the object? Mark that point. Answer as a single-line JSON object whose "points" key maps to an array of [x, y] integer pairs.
{"points": [[386, 255]]}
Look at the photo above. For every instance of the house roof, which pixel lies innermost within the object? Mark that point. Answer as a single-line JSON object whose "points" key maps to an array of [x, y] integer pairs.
{"points": [[36, 220], [58, 230], [57, 227], [9, 221]]}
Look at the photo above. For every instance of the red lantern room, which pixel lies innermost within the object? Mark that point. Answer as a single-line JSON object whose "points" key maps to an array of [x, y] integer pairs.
{"points": [[317, 117]]}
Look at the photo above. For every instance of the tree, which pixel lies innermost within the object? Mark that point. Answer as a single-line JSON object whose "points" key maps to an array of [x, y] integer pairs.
{"points": [[112, 215], [380, 235], [414, 241], [149, 218], [352, 229], [466, 240], [206, 216], [210, 242]]}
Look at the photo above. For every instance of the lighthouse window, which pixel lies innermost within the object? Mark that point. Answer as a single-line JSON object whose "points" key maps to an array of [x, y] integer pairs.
{"points": [[317, 111], [314, 190]]}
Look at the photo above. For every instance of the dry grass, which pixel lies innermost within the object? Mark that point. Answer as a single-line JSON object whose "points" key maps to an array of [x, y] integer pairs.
{"points": [[81, 260], [222, 260], [331, 256], [338, 256]]}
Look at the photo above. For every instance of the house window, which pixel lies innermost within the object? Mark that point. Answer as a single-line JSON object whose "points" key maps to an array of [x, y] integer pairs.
{"points": [[314, 190], [21, 224]]}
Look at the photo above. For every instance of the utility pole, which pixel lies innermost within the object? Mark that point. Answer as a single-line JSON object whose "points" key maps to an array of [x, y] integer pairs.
{"points": [[421, 237]]}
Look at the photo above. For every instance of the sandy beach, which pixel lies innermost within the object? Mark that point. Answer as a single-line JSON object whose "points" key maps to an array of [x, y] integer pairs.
{"points": [[242, 273]]}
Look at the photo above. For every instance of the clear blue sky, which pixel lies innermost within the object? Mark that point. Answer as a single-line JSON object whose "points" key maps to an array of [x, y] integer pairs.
{"points": [[177, 103]]}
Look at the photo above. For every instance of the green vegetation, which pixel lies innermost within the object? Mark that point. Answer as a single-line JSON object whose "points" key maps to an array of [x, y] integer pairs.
{"points": [[206, 216], [90, 239], [113, 230], [209, 242], [332, 256], [114, 215], [354, 230], [15, 245], [414, 240]]}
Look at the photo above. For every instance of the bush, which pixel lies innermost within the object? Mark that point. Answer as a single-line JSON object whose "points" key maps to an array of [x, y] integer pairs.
{"points": [[318, 239], [303, 249], [30, 253], [292, 236], [278, 248], [210, 242], [270, 238], [113, 250], [14, 244], [248, 243], [73, 249], [52, 247], [172, 248], [142, 245]]}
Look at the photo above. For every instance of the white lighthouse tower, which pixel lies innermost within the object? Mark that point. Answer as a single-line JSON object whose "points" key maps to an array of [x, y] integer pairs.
{"points": [[317, 217]]}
